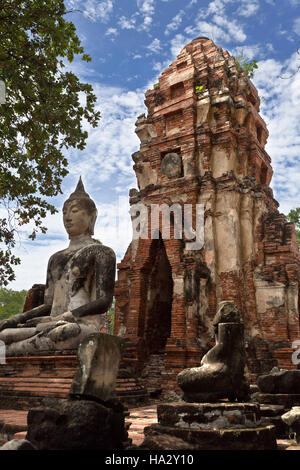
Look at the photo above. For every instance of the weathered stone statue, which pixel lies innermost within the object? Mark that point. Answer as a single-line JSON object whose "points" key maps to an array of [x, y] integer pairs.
{"points": [[221, 374], [79, 288]]}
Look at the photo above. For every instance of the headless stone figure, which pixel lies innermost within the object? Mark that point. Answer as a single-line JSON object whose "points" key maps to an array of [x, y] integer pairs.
{"points": [[221, 374], [79, 288]]}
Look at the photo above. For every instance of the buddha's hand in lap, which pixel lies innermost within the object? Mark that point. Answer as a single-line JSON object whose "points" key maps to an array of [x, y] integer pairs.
{"points": [[65, 317], [64, 330]]}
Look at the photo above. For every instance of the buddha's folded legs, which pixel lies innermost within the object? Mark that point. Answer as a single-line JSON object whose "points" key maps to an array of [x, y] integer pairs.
{"points": [[53, 338], [10, 335]]}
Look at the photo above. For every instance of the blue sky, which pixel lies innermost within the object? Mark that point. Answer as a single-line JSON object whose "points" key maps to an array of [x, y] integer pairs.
{"points": [[131, 42]]}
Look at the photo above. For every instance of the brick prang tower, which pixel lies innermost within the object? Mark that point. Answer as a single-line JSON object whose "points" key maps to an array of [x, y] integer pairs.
{"points": [[203, 142]]}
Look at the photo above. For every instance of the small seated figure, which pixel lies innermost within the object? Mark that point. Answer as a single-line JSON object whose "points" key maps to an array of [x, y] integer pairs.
{"points": [[79, 288], [221, 374]]}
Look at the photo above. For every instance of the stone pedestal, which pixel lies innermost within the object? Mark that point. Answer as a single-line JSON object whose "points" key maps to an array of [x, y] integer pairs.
{"points": [[209, 426]]}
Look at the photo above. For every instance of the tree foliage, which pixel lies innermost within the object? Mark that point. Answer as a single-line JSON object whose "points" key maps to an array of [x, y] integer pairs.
{"points": [[111, 313], [245, 65], [294, 216], [11, 302], [42, 116]]}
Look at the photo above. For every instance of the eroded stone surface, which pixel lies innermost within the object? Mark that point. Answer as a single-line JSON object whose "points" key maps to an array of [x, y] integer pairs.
{"points": [[18, 444], [259, 438], [209, 416], [171, 165], [99, 357], [280, 381], [76, 425], [292, 416], [284, 399], [292, 419]]}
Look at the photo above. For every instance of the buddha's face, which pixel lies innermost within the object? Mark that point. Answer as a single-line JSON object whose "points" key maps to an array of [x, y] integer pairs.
{"points": [[76, 219]]}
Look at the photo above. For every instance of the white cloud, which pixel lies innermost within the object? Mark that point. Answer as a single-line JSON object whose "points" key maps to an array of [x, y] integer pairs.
{"points": [[219, 27], [248, 8], [177, 43], [147, 10], [233, 28], [205, 28], [127, 23], [154, 46], [280, 109], [98, 11], [296, 26], [146, 6], [112, 32], [106, 161], [253, 51], [82, 69], [216, 6], [160, 66], [175, 23]]}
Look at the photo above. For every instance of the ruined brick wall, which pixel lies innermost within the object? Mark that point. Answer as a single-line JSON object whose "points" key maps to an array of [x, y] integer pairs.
{"points": [[206, 146], [34, 297]]}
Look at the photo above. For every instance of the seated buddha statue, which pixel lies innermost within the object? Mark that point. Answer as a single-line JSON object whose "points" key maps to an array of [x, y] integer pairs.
{"points": [[79, 288]]}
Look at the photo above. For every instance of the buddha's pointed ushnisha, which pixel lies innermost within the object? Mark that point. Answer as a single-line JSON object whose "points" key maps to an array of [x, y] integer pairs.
{"points": [[79, 191]]}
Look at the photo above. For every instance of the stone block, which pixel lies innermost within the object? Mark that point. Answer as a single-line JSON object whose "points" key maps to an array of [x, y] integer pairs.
{"points": [[280, 381], [292, 419], [99, 357], [76, 425]]}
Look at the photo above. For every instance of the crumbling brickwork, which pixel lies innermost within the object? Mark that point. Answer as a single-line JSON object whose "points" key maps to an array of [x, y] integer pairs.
{"points": [[202, 142]]}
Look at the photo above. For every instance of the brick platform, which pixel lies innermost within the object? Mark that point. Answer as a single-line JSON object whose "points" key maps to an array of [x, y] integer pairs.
{"points": [[26, 380]]}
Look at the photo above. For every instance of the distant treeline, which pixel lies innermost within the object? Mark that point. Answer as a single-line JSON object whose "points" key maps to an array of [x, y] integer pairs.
{"points": [[11, 302], [294, 216]]}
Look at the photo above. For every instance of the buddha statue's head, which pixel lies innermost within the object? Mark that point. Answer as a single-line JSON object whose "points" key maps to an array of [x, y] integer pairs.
{"points": [[79, 213]]}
